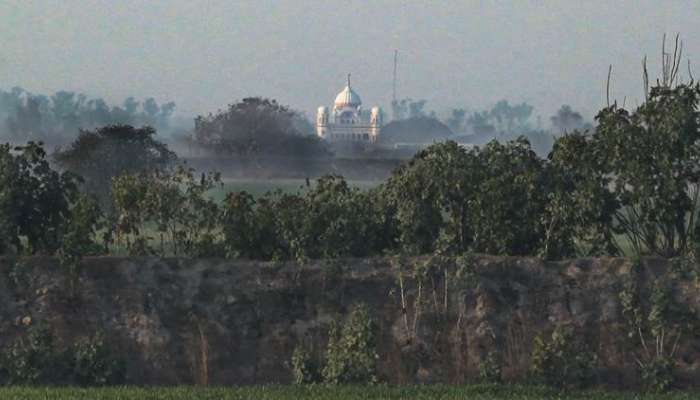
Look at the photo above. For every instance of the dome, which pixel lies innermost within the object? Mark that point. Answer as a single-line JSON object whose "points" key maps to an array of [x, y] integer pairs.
{"points": [[347, 97]]}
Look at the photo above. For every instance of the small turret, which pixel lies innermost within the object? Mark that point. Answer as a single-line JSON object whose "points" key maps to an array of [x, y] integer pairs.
{"points": [[375, 122], [322, 122], [376, 116]]}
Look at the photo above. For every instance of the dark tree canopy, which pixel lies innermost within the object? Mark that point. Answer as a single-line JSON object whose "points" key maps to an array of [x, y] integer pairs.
{"points": [[35, 200], [257, 126], [102, 154]]}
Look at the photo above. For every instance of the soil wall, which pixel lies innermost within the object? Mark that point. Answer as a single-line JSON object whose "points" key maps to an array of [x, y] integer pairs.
{"points": [[238, 322]]}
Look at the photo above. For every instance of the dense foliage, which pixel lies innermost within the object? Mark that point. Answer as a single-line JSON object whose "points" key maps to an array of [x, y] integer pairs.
{"points": [[630, 187], [656, 321], [257, 126], [329, 220], [563, 361], [36, 359], [653, 153], [102, 154], [35, 200], [352, 356], [173, 204]]}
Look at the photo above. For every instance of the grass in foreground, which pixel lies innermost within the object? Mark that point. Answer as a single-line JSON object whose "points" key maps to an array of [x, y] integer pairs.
{"points": [[477, 392]]}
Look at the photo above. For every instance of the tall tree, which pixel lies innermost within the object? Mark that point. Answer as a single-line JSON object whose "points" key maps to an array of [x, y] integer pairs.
{"points": [[102, 154], [256, 126], [653, 153]]}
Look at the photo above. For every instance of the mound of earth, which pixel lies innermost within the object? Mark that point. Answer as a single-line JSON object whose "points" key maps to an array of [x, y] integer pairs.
{"points": [[414, 130]]}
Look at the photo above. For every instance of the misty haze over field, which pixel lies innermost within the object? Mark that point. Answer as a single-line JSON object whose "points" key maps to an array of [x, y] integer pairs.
{"points": [[205, 55]]}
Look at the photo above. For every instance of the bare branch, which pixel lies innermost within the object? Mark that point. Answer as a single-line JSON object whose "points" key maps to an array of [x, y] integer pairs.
{"points": [[675, 344], [607, 88], [673, 62], [645, 76], [664, 61], [690, 73]]}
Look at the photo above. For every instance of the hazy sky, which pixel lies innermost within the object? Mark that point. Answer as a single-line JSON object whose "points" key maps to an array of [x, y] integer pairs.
{"points": [[206, 54]]}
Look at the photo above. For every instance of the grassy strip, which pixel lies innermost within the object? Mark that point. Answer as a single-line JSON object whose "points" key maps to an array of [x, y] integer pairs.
{"points": [[476, 392]]}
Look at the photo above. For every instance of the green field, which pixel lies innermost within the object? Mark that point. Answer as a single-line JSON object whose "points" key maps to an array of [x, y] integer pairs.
{"points": [[258, 187], [480, 392]]}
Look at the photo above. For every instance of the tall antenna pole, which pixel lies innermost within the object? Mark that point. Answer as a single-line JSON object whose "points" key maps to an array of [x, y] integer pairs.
{"points": [[393, 91]]}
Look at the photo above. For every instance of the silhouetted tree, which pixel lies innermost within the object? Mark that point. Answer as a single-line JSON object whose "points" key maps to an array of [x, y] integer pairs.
{"points": [[256, 126], [25, 124], [511, 119], [480, 124], [102, 154], [566, 120], [456, 120], [408, 108]]}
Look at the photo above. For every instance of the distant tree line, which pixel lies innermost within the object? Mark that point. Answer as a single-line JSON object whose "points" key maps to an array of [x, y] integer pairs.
{"points": [[504, 121], [56, 119]]}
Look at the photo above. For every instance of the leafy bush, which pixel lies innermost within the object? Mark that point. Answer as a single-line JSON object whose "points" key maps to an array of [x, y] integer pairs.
{"points": [[658, 374], [304, 368], [351, 356], [488, 200], [580, 208], [36, 359], [490, 368], [330, 220], [175, 203], [254, 228], [427, 199], [78, 241], [32, 359], [562, 363], [654, 328], [92, 363]]}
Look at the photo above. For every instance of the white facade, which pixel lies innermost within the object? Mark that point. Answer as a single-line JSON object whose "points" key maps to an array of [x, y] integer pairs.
{"points": [[348, 121]]}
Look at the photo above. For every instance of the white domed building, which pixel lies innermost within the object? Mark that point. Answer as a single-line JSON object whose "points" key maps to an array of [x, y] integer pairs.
{"points": [[348, 122]]}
